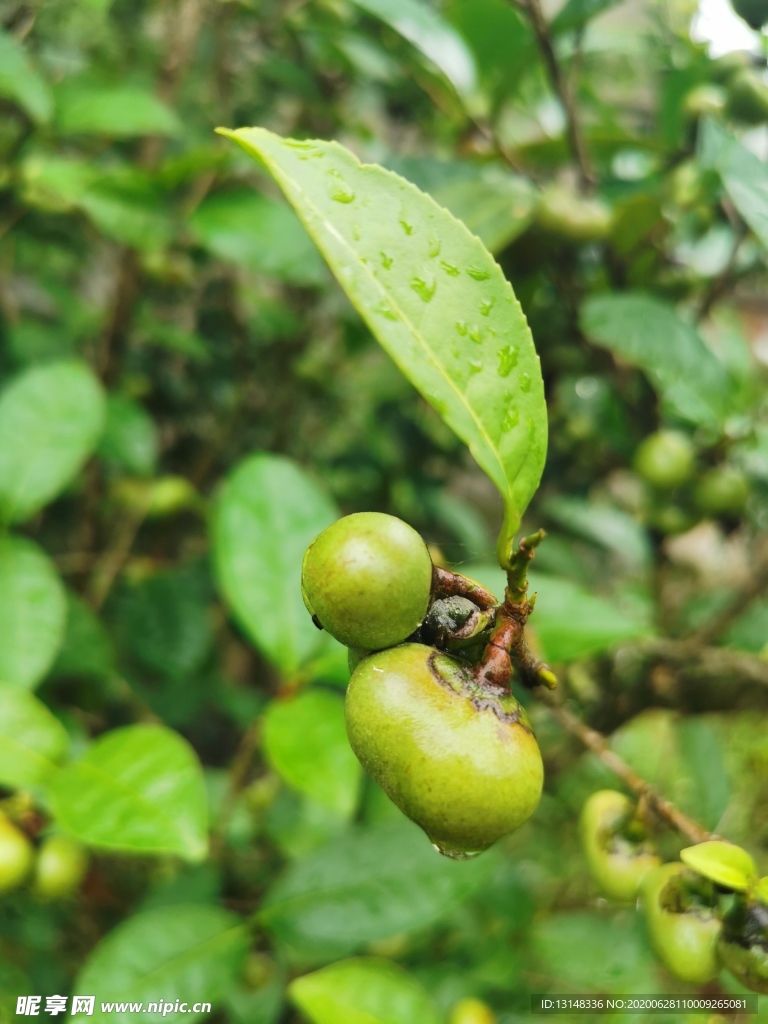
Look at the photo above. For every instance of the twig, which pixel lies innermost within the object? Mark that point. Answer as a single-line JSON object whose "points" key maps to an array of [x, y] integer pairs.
{"points": [[107, 568], [598, 744], [564, 92], [722, 662], [238, 774]]}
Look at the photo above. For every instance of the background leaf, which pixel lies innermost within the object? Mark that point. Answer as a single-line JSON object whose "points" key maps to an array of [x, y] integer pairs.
{"points": [[114, 110], [139, 788], [305, 741], [130, 438], [191, 953], [432, 295], [86, 649], [744, 175], [20, 82], [265, 516], [32, 740], [33, 612], [51, 417], [363, 991]]}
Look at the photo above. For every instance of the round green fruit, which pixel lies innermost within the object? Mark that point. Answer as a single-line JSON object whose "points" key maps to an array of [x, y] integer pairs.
{"points": [[472, 1011], [564, 212], [59, 869], [617, 863], [681, 913], [726, 66], [747, 98], [665, 459], [16, 856], [705, 100], [743, 946], [367, 579], [721, 491], [754, 12], [459, 759]]}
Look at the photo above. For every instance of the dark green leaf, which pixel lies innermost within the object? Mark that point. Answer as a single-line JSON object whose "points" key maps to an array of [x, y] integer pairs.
{"points": [[51, 417], [266, 514], [191, 953], [33, 606], [87, 647], [433, 297], [139, 788], [576, 13], [129, 440]]}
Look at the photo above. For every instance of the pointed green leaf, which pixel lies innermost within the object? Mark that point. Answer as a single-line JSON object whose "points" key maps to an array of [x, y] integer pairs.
{"points": [[32, 740], [432, 295], [305, 741], [744, 175], [139, 788], [20, 82], [51, 417], [363, 990], [115, 110], [265, 516], [192, 953], [724, 863], [33, 603]]}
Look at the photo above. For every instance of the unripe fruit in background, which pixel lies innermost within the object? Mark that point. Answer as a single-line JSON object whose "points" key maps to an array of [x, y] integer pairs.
{"points": [[680, 911], [460, 760], [705, 100], [60, 867], [754, 12], [16, 855], [743, 946], [472, 1011], [564, 212], [367, 578], [721, 491], [665, 459], [616, 863], [747, 99]]}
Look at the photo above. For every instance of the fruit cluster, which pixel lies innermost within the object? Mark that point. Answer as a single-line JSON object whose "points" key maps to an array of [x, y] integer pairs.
{"points": [[54, 870], [705, 912], [453, 750]]}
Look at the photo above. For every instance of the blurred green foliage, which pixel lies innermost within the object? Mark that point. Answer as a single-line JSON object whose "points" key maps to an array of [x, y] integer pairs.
{"points": [[188, 399]]}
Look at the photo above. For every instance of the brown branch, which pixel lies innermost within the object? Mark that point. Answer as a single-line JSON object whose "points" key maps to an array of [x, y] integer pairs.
{"points": [[598, 744], [564, 92], [717, 662], [453, 584]]}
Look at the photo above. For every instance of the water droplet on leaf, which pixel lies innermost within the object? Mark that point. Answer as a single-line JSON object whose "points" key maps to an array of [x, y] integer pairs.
{"points": [[434, 246], [449, 268], [486, 306], [424, 287], [475, 366], [511, 419], [507, 360], [407, 228], [525, 382], [461, 327], [476, 335], [478, 273], [386, 261]]}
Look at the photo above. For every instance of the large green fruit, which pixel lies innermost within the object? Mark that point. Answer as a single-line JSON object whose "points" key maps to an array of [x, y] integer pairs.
{"points": [[460, 760], [743, 946], [665, 459], [617, 863], [754, 12], [60, 868], [721, 491], [16, 855], [681, 913], [564, 212], [747, 98], [367, 578]]}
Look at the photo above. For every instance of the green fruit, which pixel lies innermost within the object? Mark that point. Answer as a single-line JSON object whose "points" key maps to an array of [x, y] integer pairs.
{"points": [[705, 100], [743, 946], [59, 869], [747, 98], [754, 12], [472, 1011], [367, 579], [725, 67], [16, 855], [617, 863], [721, 491], [460, 760], [566, 213], [681, 913], [665, 459]]}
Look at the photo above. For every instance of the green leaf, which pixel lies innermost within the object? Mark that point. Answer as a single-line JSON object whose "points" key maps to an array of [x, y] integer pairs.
{"points": [[501, 40], [119, 111], [87, 648], [192, 953], [603, 525], [432, 295], [32, 740], [364, 886], [744, 176], [140, 789], [576, 13], [649, 334], [265, 516], [425, 29], [724, 863], [51, 417], [256, 232], [130, 439], [305, 741], [33, 607], [761, 890], [363, 991], [20, 82]]}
